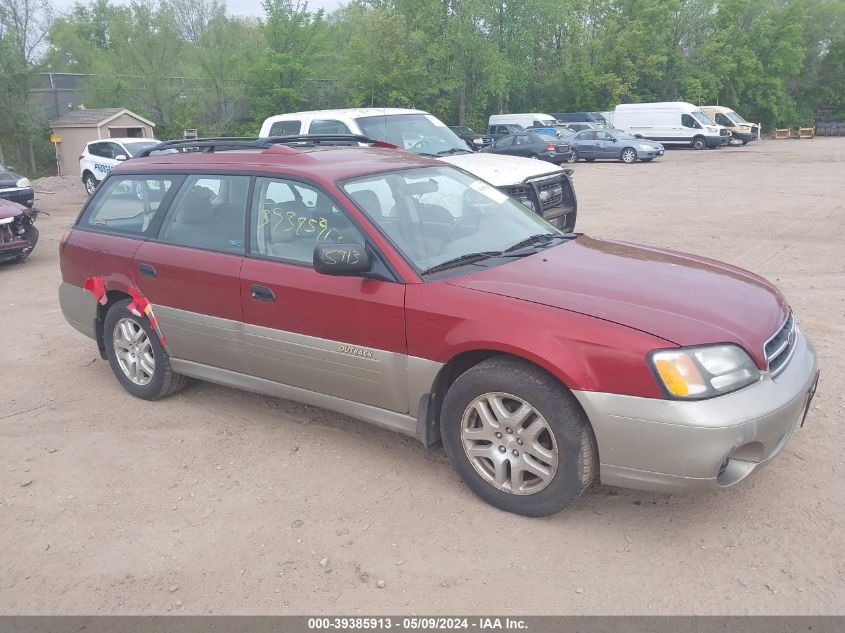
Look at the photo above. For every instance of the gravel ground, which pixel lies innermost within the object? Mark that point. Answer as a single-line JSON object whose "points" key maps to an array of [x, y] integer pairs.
{"points": [[220, 501]]}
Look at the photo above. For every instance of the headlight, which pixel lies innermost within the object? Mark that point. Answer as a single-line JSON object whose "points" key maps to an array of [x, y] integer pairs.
{"points": [[648, 148], [528, 202], [703, 372], [23, 183], [478, 141]]}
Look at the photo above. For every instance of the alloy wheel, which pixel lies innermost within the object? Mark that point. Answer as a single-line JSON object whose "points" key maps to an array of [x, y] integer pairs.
{"points": [[629, 156], [134, 351], [509, 443]]}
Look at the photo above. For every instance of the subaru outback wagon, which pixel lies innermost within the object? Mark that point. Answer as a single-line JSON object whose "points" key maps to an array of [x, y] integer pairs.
{"points": [[408, 293]]}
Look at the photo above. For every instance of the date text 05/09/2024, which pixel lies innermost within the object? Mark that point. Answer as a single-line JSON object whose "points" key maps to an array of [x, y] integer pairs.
{"points": [[417, 623]]}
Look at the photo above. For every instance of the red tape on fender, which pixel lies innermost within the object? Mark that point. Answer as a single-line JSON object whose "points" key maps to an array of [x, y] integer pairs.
{"points": [[97, 287], [140, 306]]}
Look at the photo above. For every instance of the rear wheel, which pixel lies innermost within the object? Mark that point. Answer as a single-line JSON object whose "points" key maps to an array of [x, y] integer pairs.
{"points": [[517, 438], [136, 355], [90, 183], [629, 155], [574, 157], [699, 143]]}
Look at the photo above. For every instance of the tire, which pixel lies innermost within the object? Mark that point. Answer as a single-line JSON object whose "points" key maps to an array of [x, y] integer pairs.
{"points": [[162, 380], [31, 234], [628, 155], [563, 440], [574, 157], [699, 143], [90, 183]]}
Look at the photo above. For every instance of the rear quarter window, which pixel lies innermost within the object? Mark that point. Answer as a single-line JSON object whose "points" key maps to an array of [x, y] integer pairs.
{"points": [[285, 128], [127, 204]]}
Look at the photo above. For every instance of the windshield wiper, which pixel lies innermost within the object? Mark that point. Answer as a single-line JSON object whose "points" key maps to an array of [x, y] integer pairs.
{"points": [[454, 150], [536, 240], [468, 258]]}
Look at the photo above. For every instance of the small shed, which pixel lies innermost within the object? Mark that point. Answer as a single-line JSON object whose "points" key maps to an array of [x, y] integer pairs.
{"points": [[78, 127]]}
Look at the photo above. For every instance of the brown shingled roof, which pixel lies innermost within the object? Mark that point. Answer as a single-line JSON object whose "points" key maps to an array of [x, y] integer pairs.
{"points": [[92, 117]]}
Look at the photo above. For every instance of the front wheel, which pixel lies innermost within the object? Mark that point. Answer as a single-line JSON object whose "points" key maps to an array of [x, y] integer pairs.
{"points": [[629, 155], [699, 143], [517, 438], [137, 357], [31, 235]]}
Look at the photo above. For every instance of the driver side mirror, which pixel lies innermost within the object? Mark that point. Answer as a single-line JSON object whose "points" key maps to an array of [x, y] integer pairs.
{"points": [[342, 259], [120, 157]]}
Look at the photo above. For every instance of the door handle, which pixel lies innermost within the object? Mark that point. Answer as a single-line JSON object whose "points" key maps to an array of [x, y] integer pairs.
{"points": [[261, 293], [147, 270]]}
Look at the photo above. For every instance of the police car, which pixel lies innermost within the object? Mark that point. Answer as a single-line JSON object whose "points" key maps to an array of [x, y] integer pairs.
{"points": [[98, 157]]}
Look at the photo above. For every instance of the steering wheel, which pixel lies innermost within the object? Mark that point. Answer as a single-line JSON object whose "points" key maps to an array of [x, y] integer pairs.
{"points": [[423, 143], [451, 232]]}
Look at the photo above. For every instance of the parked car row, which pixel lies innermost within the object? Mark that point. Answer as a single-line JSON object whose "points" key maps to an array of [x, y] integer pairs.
{"points": [[675, 124]]}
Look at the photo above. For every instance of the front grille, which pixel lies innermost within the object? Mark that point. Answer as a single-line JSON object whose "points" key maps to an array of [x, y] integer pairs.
{"points": [[551, 195], [754, 130], [781, 346]]}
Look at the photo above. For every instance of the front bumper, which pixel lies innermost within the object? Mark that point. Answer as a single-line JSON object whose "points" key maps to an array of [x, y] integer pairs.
{"points": [[745, 137], [671, 445], [649, 153], [25, 196]]}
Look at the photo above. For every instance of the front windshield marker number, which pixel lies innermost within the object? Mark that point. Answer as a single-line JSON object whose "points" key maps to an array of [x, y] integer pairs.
{"points": [[486, 190]]}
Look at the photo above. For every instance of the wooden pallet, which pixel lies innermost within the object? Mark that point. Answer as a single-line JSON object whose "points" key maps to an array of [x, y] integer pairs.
{"points": [[783, 132], [806, 132]]}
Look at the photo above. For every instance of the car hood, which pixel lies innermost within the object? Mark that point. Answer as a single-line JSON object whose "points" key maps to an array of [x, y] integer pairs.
{"points": [[8, 178], [9, 209], [683, 299], [499, 170]]}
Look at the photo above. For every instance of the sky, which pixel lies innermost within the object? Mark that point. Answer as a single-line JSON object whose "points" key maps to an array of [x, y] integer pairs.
{"points": [[236, 7]]}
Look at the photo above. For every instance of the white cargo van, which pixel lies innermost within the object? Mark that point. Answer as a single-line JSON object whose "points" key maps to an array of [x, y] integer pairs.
{"points": [[673, 123], [525, 119], [541, 186], [739, 127]]}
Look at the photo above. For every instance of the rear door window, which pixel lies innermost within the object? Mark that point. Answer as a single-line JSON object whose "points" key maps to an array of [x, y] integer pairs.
{"points": [[208, 212], [285, 128], [128, 204]]}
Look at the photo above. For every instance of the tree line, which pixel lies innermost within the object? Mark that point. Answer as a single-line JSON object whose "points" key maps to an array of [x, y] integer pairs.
{"points": [[190, 64]]}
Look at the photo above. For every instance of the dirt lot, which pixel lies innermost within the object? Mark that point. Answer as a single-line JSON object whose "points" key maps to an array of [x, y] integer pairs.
{"points": [[219, 501]]}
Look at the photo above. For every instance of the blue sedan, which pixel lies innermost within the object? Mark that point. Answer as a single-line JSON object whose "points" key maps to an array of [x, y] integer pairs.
{"points": [[590, 145]]}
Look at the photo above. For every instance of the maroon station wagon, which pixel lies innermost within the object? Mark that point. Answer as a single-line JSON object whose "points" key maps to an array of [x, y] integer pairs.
{"points": [[408, 293]]}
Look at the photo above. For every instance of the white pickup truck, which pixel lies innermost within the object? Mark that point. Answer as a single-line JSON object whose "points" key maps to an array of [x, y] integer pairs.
{"points": [[542, 187]]}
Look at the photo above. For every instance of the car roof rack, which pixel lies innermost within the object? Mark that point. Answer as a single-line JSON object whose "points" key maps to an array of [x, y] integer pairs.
{"points": [[226, 143]]}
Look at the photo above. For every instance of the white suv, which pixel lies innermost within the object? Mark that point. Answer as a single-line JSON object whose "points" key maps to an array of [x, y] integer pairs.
{"points": [[98, 157], [540, 186]]}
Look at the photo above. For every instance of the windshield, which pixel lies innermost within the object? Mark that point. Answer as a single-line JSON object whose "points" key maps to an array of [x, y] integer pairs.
{"points": [[733, 116], [136, 148], [702, 118], [420, 133], [438, 214], [462, 129], [548, 122]]}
